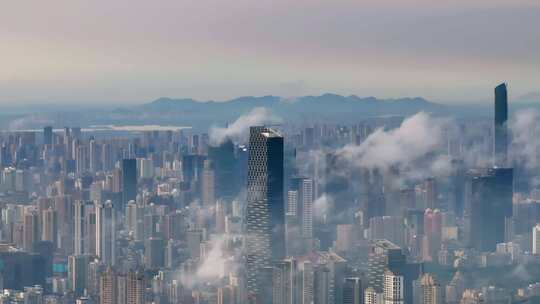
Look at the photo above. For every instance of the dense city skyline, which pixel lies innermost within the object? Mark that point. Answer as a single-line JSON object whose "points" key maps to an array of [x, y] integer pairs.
{"points": [[412, 209], [270, 152]]}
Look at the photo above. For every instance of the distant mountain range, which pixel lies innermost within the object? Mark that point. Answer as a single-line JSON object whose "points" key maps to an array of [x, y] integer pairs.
{"points": [[327, 102], [327, 107], [203, 114]]}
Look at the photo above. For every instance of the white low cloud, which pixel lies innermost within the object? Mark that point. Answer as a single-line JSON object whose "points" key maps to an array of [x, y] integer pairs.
{"points": [[213, 266], [525, 130], [30, 122], [416, 137], [321, 206], [239, 129]]}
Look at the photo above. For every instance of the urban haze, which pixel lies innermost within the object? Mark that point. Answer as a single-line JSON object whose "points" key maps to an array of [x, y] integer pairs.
{"points": [[270, 152]]}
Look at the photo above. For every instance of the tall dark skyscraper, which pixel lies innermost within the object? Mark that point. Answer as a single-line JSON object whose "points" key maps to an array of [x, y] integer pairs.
{"points": [[224, 163], [500, 146], [265, 204], [352, 291], [47, 135], [129, 180], [488, 205]]}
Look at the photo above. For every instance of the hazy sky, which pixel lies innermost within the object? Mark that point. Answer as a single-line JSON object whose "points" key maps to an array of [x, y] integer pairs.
{"points": [[138, 50]]}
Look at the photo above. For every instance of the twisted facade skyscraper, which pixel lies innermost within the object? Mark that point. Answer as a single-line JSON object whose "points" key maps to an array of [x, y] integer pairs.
{"points": [[265, 204]]}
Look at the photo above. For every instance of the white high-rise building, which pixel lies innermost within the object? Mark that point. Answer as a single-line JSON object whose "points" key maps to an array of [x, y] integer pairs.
{"points": [[536, 239], [79, 229], [306, 269], [431, 290], [371, 296], [307, 208], [146, 168], [106, 233], [208, 185], [84, 234], [393, 288], [292, 202], [49, 226]]}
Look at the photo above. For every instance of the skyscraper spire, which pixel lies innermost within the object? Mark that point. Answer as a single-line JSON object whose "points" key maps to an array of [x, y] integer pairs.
{"points": [[500, 146]]}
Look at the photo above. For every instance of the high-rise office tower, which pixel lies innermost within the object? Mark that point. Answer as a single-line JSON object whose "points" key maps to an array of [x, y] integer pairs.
{"points": [[328, 277], [536, 239], [374, 203], [72, 149], [346, 236], [309, 137], [106, 233], [306, 282], [407, 199], [76, 132], [134, 220], [77, 273], [430, 194], [106, 156], [500, 146], [224, 163], [47, 135], [221, 216], [226, 294], [208, 185], [194, 240], [385, 255], [432, 234], [63, 205], [393, 288], [383, 252], [135, 288], [292, 203], [321, 285], [304, 204], [129, 180], [116, 182], [31, 233], [94, 163], [388, 228], [49, 226], [90, 230], [9, 215], [80, 227], [285, 282], [154, 253], [33, 295], [146, 170], [107, 287], [455, 288], [121, 288], [372, 296], [192, 167], [265, 203], [431, 290], [488, 206], [352, 291], [81, 159], [457, 188], [150, 224]]}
